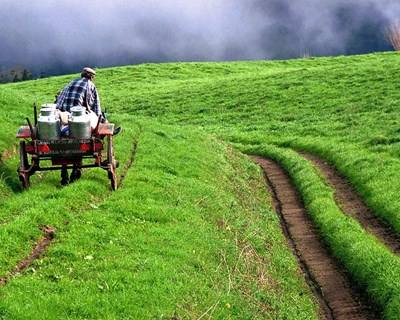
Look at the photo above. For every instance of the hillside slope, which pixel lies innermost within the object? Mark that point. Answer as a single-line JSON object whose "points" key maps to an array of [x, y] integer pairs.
{"points": [[344, 109], [185, 236]]}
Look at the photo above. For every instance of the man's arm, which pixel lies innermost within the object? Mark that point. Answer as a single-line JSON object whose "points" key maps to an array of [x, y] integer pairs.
{"points": [[60, 98], [95, 101]]}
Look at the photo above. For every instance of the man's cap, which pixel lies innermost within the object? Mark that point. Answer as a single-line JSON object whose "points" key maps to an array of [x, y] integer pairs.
{"points": [[88, 71]]}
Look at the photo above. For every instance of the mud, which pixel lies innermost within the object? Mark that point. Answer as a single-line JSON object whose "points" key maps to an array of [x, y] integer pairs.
{"points": [[39, 248], [337, 297], [49, 232], [352, 204], [129, 164], [6, 154]]}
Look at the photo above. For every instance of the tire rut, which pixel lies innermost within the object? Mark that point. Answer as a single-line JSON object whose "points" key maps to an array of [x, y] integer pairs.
{"points": [[39, 248], [49, 232], [352, 204], [337, 298], [128, 165]]}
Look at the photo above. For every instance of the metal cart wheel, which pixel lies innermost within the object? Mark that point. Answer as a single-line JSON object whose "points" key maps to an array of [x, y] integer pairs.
{"points": [[112, 164], [23, 166]]}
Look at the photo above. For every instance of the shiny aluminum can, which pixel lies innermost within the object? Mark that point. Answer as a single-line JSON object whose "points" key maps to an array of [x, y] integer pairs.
{"points": [[79, 124], [48, 124]]}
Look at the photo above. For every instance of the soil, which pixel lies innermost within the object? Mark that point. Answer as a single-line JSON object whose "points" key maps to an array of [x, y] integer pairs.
{"points": [[39, 248], [352, 204], [49, 232], [337, 297], [7, 154], [129, 164]]}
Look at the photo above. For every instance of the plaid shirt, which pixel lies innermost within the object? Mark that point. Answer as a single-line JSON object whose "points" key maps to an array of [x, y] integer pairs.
{"points": [[79, 92]]}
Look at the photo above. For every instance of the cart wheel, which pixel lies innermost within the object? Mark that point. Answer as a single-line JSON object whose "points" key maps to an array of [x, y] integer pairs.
{"points": [[24, 178], [112, 164], [23, 165], [114, 184]]}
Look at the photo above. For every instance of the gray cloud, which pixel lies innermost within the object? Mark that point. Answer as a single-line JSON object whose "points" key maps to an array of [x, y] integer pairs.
{"points": [[60, 36]]}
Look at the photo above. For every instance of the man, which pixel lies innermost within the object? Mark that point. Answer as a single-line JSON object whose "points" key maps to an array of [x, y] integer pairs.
{"points": [[80, 92]]}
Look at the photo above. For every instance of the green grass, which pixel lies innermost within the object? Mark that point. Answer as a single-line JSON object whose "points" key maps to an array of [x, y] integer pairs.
{"points": [[371, 265], [187, 233], [344, 109]]}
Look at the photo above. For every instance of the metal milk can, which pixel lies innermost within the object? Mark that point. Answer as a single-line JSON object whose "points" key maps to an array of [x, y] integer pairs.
{"points": [[79, 124], [49, 105], [48, 124]]}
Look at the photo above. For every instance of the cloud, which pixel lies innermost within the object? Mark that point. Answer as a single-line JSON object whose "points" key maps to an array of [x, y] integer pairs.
{"points": [[57, 36]]}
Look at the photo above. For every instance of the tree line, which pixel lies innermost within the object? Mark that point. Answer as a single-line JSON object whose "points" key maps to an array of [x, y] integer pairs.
{"points": [[15, 74]]}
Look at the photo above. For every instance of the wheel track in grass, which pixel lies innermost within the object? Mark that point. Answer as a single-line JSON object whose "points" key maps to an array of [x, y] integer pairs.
{"points": [[337, 298], [351, 203], [128, 164], [44, 242], [39, 248]]}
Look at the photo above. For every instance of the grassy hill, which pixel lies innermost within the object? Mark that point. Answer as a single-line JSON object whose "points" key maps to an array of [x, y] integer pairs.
{"points": [[190, 233]]}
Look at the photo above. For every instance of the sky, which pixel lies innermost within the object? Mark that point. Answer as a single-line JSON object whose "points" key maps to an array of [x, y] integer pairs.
{"points": [[58, 36]]}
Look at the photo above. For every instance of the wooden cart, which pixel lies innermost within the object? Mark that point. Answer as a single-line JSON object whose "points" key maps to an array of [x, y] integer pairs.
{"points": [[66, 152]]}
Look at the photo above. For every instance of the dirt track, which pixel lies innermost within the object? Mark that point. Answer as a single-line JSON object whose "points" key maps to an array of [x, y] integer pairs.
{"points": [[40, 247], [353, 205], [49, 232], [336, 296], [129, 164]]}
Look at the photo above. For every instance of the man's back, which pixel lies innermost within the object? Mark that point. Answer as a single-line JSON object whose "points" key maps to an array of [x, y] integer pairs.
{"points": [[79, 92]]}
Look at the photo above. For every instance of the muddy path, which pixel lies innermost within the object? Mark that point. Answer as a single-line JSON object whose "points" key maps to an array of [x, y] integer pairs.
{"points": [[352, 204], [337, 298], [37, 251], [129, 164]]}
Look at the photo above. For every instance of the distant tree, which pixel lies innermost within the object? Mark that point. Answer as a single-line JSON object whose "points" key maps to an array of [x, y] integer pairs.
{"points": [[13, 75], [26, 75], [393, 35]]}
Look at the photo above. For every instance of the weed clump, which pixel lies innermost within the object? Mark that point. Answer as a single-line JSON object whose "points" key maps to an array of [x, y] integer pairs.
{"points": [[393, 35]]}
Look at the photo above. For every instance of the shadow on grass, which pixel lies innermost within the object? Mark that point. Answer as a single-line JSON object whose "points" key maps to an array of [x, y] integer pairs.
{"points": [[9, 176]]}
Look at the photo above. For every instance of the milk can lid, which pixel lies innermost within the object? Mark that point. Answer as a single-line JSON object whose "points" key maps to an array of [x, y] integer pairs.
{"points": [[48, 105], [78, 110], [47, 111]]}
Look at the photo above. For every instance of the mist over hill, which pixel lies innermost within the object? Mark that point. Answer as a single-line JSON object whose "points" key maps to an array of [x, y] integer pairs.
{"points": [[60, 37]]}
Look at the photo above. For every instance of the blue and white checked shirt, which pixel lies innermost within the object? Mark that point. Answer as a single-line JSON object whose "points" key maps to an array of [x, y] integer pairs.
{"points": [[79, 92]]}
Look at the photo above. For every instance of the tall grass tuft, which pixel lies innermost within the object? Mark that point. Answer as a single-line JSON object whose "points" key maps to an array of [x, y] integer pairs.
{"points": [[393, 35]]}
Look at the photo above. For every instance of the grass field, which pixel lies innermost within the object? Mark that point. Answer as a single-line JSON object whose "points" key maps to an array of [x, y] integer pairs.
{"points": [[191, 234]]}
